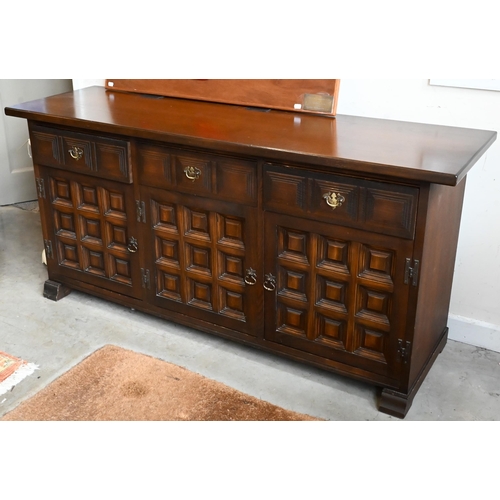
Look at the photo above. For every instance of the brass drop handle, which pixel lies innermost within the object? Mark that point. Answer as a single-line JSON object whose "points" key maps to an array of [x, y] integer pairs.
{"points": [[132, 246], [269, 283], [192, 173], [333, 200], [251, 277], [75, 152]]}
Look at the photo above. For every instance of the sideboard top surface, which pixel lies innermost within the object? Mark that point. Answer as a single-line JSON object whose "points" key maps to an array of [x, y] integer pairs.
{"points": [[403, 150]]}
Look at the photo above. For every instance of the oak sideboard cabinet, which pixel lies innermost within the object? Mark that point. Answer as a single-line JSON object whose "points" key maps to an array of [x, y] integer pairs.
{"points": [[328, 240]]}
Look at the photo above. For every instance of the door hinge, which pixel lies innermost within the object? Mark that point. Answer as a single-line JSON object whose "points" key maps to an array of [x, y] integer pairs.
{"points": [[404, 349], [141, 211], [146, 282], [411, 272], [40, 187], [48, 248]]}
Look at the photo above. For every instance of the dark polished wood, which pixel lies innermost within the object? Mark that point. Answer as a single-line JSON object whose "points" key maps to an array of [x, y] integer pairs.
{"points": [[330, 241]]}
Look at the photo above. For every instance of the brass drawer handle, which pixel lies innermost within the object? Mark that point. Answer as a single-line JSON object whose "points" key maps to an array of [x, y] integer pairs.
{"points": [[333, 200], [75, 152], [269, 282], [251, 277], [132, 246], [192, 173]]}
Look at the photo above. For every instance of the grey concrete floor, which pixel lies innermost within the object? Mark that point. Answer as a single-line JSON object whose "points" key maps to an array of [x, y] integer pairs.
{"points": [[463, 384]]}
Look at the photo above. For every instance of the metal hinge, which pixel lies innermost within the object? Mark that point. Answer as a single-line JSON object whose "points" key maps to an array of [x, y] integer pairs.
{"points": [[141, 211], [48, 248], [404, 349], [411, 272], [146, 282], [40, 187]]}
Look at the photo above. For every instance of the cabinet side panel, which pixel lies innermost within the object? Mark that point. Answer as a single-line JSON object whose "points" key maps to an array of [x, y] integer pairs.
{"points": [[436, 272]]}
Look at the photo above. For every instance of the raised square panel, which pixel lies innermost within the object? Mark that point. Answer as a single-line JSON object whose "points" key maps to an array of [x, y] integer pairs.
{"points": [[169, 286], [236, 180], [200, 295], [167, 252], [94, 262], [330, 331], [284, 190], [230, 267], [291, 320], [164, 216], [292, 284], [231, 231], [371, 343], [198, 259], [64, 224], [333, 255], [293, 245], [331, 294], [117, 237], [120, 270], [114, 204], [88, 198], [374, 306], [61, 192], [197, 224], [91, 230], [376, 264], [232, 304], [68, 255]]}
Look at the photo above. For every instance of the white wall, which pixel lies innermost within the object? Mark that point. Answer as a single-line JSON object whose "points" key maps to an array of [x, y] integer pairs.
{"points": [[475, 302]]}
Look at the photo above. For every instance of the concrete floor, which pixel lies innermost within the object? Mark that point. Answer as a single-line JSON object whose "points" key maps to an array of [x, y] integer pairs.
{"points": [[464, 383]]}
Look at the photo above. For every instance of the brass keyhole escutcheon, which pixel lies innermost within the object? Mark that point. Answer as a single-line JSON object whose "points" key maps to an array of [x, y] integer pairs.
{"points": [[333, 200], [75, 152], [192, 173]]}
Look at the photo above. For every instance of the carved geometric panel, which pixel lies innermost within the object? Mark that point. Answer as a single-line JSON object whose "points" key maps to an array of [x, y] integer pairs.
{"points": [[230, 231], [330, 330], [114, 204], [291, 320], [331, 294], [168, 285], [293, 245], [231, 304], [292, 284], [374, 306], [116, 237], [333, 255], [68, 255], [197, 224], [230, 267], [198, 259], [88, 198], [90, 230], [167, 252], [64, 224], [61, 192], [371, 343], [94, 262], [120, 270], [376, 264], [199, 294], [164, 216]]}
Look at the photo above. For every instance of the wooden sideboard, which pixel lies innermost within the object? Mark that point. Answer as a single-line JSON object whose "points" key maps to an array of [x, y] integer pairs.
{"points": [[330, 241]]}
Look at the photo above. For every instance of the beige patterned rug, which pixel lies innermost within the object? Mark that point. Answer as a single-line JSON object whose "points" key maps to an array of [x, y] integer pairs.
{"points": [[118, 384]]}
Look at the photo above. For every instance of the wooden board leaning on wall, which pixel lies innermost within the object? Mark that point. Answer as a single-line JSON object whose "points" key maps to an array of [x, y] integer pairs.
{"points": [[305, 96]]}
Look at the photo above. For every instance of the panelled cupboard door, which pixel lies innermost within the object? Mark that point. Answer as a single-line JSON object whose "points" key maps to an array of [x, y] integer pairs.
{"points": [[92, 234], [203, 257], [336, 292]]}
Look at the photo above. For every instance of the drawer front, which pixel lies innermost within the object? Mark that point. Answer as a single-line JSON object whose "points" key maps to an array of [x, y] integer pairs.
{"points": [[228, 179], [375, 206], [94, 155]]}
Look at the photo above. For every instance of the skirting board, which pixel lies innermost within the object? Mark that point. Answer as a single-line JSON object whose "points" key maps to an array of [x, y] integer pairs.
{"points": [[473, 332]]}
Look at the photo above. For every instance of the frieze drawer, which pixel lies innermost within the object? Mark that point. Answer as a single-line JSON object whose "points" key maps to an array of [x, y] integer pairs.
{"points": [[348, 201], [226, 178], [103, 157]]}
